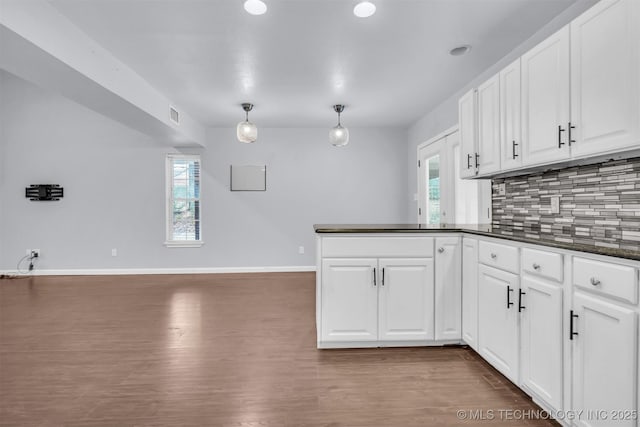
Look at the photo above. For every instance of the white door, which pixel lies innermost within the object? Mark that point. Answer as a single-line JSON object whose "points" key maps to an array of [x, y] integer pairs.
{"points": [[542, 333], [510, 134], [489, 126], [605, 78], [467, 124], [604, 360], [349, 300], [406, 299], [498, 320], [448, 289], [545, 100], [470, 292]]}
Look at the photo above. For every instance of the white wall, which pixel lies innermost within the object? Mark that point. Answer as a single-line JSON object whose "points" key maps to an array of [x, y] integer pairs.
{"points": [[113, 178], [445, 115]]}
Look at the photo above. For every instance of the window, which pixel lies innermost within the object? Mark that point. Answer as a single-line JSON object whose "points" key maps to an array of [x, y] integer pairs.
{"points": [[183, 201]]}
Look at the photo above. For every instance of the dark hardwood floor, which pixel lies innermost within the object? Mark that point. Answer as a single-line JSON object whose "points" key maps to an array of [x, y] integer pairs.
{"points": [[218, 350]]}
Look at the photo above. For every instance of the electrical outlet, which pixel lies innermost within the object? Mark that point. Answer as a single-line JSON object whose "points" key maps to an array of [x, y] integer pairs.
{"points": [[35, 253], [301, 250], [114, 252], [555, 204], [502, 189]]}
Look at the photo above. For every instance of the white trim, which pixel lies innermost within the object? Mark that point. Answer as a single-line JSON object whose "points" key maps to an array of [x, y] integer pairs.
{"points": [[137, 271], [184, 244], [439, 136]]}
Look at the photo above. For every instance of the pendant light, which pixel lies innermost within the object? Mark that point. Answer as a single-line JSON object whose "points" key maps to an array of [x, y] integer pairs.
{"points": [[338, 135], [246, 131]]}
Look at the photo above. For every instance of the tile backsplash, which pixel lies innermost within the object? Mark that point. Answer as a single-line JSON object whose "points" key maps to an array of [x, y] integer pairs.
{"points": [[599, 205]]}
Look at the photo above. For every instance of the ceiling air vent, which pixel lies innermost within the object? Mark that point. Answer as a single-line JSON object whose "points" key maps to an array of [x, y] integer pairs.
{"points": [[174, 115]]}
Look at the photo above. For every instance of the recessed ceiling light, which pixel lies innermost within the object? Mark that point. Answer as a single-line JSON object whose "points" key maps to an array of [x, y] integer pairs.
{"points": [[460, 50], [255, 7], [364, 9]]}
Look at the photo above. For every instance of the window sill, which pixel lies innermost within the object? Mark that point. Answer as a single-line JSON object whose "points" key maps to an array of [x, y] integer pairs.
{"points": [[177, 244]]}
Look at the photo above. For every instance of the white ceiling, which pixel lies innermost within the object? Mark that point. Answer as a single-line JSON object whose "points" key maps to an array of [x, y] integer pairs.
{"points": [[303, 56]]}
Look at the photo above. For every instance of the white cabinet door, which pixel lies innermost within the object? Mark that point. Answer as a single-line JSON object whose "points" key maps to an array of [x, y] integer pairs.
{"points": [[545, 100], [510, 134], [448, 289], [498, 320], [349, 300], [605, 78], [467, 123], [541, 332], [604, 360], [470, 292], [406, 299], [489, 126]]}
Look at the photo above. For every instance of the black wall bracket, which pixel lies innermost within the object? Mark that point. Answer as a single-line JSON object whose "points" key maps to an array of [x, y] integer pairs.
{"points": [[44, 192]]}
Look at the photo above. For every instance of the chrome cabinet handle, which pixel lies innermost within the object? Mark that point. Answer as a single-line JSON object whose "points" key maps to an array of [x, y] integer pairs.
{"points": [[536, 266], [595, 282], [493, 256], [382, 276], [440, 250], [374, 277]]}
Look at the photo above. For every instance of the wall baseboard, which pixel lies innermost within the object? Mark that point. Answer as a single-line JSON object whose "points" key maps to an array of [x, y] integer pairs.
{"points": [[135, 271]]}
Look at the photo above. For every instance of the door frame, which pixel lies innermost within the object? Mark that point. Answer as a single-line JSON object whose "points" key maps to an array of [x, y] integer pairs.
{"points": [[439, 138]]}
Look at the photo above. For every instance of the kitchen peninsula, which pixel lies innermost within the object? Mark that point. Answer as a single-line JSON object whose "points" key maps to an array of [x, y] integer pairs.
{"points": [[540, 311]]}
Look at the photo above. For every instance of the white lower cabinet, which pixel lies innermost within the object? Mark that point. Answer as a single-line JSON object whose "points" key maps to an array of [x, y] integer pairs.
{"points": [[541, 334], [405, 299], [448, 289], [470, 292], [562, 326], [349, 300], [377, 300], [498, 327], [605, 338]]}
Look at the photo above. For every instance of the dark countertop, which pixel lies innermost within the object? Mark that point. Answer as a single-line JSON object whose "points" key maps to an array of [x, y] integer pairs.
{"points": [[477, 229]]}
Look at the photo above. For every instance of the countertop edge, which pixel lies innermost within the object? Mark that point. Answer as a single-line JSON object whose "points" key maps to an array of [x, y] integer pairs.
{"points": [[595, 250]]}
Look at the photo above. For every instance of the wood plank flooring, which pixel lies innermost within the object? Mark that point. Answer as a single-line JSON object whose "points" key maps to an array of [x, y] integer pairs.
{"points": [[218, 350]]}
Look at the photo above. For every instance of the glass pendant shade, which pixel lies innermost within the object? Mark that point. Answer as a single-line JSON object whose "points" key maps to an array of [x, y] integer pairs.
{"points": [[339, 136], [247, 132]]}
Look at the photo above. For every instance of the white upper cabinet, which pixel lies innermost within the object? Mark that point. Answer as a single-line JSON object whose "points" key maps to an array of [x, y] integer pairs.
{"points": [[488, 146], [545, 101], [605, 78], [510, 134], [467, 119]]}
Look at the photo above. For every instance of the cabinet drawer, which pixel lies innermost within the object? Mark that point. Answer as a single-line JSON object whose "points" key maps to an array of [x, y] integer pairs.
{"points": [[544, 264], [417, 247], [614, 280], [500, 256]]}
